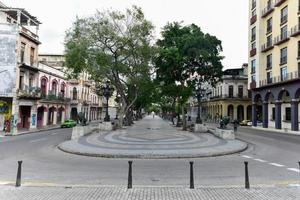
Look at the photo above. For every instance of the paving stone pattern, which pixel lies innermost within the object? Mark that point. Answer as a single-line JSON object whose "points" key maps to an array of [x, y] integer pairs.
{"points": [[146, 193], [152, 138]]}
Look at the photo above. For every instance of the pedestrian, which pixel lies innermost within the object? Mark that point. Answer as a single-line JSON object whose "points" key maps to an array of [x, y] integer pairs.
{"points": [[153, 114]]}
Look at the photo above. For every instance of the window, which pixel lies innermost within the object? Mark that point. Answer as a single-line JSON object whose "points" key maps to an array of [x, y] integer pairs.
{"points": [[230, 91], [8, 20], [283, 73], [44, 87], [269, 61], [253, 4], [273, 114], [283, 33], [253, 78], [253, 34], [74, 93], [253, 66], [269, 25], [249, 94], [284, 15], [240, 91], [22, 53], [283, 56], [62, 90], [298, 70], [54, 88], [32, 51], [298, 49], [269, 4], [253, 13], [31, 80], [21, 81], [269, 77], [269, 41], [288, 113], [253, 45]]}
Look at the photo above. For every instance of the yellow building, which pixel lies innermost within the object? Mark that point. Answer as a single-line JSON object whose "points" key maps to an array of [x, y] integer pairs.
{"points": [[274, 62], [229, 97]]}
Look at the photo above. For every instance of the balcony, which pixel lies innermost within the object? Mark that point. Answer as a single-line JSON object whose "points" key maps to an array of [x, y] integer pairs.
{"points": [[278, 79], [295, 31], [253, 19], [267, 10], [253, 52], [267, 46], [281, 38], [52, 97], [253, 85], [28, 34], [32, 93], [279, 2]]}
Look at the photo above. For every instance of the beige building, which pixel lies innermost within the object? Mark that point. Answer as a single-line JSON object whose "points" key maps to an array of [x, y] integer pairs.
{"points": [[229, 97], [274, 62]]}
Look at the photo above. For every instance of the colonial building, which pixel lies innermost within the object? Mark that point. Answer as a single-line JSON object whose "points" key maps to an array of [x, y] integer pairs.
{"points": [[274, 52], [18, 69], [229, 97], [82, 91]]}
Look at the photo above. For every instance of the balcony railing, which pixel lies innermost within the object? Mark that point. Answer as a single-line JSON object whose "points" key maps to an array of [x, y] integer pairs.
{"points": [[56, 98], [295, 31], [267, 10], [253, 52], [279, 79], [267, 46], [28, 92], [279, 2], [28, 33], [281, 38], [253, 19]]}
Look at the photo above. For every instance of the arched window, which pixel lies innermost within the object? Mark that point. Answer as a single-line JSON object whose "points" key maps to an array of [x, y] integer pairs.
{"points": [[54, 88], [44, 87], [74, 93], [63, 90]]}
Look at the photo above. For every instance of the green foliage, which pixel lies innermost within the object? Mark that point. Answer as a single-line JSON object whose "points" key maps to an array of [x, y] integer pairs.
{"points": [[224, 122]]}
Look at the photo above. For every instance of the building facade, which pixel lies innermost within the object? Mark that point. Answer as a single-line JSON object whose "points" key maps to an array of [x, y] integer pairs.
{"points": [[274, 62], [230, 97]]}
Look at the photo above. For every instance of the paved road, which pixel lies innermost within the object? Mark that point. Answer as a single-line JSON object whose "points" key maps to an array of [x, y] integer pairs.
{"points": [[273, 161]]}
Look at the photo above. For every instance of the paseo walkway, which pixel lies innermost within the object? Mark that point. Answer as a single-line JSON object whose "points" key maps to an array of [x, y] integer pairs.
{"points": [[152, 138]]}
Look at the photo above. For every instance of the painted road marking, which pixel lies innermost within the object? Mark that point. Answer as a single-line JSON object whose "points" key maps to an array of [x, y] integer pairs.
{"points": [[244, 156], [276, 164], [37, 140], [260, 160], [294, 170]]}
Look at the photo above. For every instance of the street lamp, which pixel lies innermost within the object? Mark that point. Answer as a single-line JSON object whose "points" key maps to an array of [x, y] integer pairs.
{"points": [[199, 94], [107, 92]]}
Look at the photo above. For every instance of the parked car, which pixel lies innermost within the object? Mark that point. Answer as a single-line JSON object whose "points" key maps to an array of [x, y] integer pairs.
{"points": [[259, 123], [244, 122], [68, 124]]}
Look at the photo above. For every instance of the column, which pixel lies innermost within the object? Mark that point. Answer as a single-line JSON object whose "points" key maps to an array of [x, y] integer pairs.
{"points": [[55, 116], [33, 117], [294, 115], [278, 104], [63, 114], [45, 117], [245, 112], [265, 114], [254, 114], [235, 110]]}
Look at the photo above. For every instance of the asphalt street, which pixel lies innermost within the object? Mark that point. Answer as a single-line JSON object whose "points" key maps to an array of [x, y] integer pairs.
{"points": [[273, 160]]}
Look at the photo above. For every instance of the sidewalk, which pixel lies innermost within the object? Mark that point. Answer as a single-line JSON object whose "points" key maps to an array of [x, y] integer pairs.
{"points": [[146, 193]]}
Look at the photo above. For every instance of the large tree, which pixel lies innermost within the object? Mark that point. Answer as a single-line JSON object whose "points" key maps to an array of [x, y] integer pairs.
{"points": [[186, 59], [112, 46]]}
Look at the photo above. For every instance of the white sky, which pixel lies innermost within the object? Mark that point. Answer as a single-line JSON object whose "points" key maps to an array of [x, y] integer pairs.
{"points": [[226, 19]]}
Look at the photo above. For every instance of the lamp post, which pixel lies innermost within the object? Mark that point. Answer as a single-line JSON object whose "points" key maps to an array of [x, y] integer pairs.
{"points": [[199, 96], [106, 90]]}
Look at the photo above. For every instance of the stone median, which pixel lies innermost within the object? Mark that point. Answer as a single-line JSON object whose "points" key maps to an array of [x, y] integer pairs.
{"points": [[151, 138]]}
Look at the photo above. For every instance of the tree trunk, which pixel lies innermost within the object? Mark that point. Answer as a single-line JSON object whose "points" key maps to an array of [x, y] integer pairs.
{"points": [[183, 118]]}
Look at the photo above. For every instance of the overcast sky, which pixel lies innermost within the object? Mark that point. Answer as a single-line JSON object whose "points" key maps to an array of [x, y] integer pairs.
{"points": [[228, 20]]}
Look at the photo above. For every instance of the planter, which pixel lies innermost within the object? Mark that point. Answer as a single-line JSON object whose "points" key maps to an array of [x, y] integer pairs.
{"points": [[225, 134], [105, 126], [200, 128]]}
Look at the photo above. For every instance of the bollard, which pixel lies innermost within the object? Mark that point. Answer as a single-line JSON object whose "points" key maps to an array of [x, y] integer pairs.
{"points": [[18, 181], [191, 175], [247, 184], [129, 186]]}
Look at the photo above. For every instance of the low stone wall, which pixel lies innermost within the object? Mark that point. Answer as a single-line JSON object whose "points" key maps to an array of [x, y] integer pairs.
{"points": [[200, 128], [224, 134], [79, 131]]}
